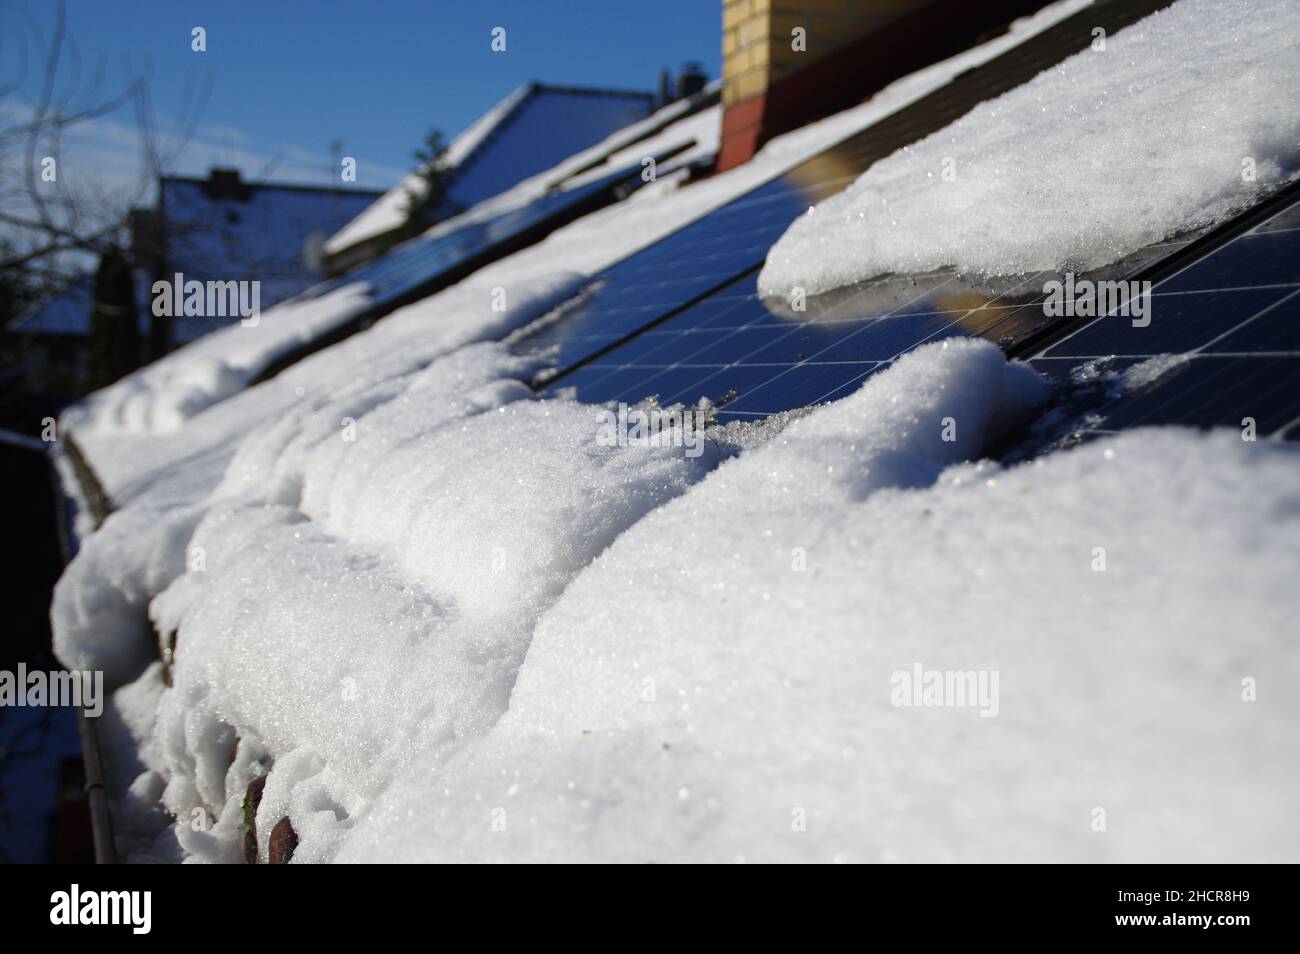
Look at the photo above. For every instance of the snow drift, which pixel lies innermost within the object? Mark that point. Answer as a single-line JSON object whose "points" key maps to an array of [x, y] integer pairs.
{"points": [[720, 684]]}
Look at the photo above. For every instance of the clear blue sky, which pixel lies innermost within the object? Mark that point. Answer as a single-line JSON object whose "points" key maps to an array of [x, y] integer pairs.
{"points": [[376, 74]]}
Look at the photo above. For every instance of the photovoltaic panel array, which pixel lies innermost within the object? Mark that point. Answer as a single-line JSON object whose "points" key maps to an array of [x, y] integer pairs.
{"points": [[751, 357], [1226, 306], [715, 251], [444, 258], [426, 264]]}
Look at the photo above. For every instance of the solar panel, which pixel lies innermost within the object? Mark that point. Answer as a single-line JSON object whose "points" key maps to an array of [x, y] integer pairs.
{"points": [[422, 260], [1223, 343], [426, 264], [1229, 301], [752, 358], [713, 252], [652, 283]]}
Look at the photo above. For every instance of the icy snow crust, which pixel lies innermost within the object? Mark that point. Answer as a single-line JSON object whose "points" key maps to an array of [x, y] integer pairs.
{"points": [[165, 486], [382, 605], [1104, 154]]}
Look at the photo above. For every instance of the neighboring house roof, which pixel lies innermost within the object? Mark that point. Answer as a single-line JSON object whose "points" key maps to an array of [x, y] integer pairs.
{"points": [[529, 131], [221, 229]]}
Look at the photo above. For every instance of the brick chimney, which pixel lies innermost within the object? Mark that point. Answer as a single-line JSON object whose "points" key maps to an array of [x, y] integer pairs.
{"points": [[788, 62]]}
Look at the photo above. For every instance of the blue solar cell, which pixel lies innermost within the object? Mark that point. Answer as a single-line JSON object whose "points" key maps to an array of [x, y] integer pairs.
{"points": [[1180, 321], [1255, 259], [1274, 329], [694, 261]]}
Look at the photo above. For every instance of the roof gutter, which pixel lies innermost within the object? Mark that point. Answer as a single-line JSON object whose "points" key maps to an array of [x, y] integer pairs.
{"points": [[99, 507]]}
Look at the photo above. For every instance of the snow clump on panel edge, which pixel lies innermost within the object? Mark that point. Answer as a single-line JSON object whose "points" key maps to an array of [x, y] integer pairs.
{"points": [[1093, 159]]}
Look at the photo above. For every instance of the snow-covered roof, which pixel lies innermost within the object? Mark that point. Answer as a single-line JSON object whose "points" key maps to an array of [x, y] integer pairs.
{"points": [[399, 582], [263, 233], [530, 130]]}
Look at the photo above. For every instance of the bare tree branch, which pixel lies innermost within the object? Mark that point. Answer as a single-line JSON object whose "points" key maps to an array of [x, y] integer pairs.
{"points": [[52, 225]]}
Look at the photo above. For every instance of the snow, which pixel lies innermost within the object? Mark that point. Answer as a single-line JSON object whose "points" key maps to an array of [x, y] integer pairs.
{"points": [[100, 603], [545, 648], [375, 596], [164, 486], [695, 696], [1108, 152], [160, 397]]}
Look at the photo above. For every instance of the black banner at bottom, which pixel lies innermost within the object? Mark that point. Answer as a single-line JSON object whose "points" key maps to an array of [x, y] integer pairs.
{"points": [[139, 904]]}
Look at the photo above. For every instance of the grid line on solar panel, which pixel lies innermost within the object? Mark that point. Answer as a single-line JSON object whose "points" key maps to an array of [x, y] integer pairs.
{"points": [[1231, 320], [737, 352], [705, 256], [1194, 287]]}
